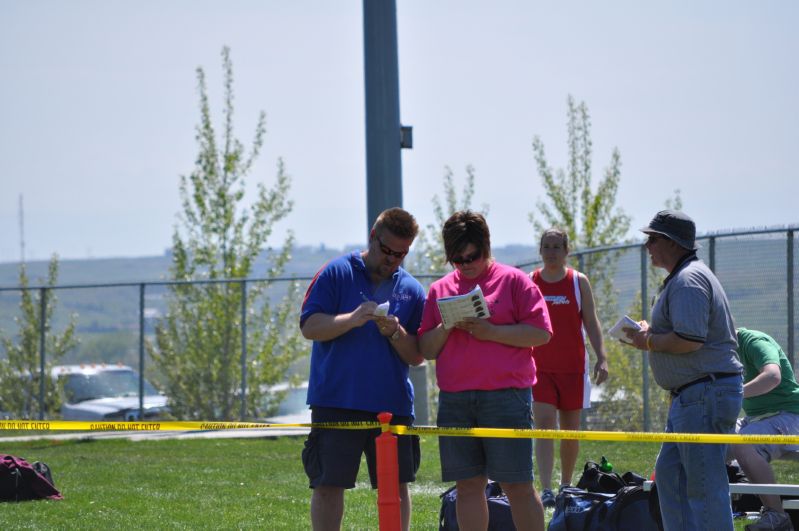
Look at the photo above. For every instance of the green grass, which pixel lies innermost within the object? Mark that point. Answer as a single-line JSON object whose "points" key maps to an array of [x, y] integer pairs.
{"points": [[229, 483]]}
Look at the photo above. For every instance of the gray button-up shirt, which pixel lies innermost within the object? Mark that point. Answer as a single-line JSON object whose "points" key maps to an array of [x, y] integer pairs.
{"points": [[694, 306]]}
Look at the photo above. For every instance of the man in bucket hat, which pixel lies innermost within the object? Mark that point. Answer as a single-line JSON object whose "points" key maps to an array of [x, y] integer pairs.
{"points": [[692, 343], [676, 226]]}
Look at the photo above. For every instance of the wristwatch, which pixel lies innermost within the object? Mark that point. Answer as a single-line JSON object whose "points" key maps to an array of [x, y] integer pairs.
{"points": [[395, 336]]}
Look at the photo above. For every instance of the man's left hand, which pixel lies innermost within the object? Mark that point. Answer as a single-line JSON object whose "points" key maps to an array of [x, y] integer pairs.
{"points": [[387, 325]]}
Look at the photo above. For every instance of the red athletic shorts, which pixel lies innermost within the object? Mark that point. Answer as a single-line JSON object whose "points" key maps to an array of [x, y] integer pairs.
{"points": [[564, 390]]}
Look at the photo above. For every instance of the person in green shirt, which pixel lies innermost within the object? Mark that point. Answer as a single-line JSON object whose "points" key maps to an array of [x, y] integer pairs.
{"points": [[771, 405]]}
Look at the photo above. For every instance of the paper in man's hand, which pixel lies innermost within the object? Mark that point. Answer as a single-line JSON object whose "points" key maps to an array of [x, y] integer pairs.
{"points": [[382, 309], [618, 329]]}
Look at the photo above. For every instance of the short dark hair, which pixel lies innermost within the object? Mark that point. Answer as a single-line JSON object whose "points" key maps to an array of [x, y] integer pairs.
{"points": [[555, 231], [461, 229], [397, 221]]}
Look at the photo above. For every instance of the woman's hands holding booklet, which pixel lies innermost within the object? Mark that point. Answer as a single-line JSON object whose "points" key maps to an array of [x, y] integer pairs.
{"points": [[477, 327]]}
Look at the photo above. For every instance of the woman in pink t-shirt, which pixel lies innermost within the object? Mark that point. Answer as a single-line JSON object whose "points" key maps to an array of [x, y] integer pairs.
{"points": [[485, 370]]}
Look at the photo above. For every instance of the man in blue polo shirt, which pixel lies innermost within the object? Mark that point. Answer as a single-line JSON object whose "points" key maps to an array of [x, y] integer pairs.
{"points": [[359, 363]]}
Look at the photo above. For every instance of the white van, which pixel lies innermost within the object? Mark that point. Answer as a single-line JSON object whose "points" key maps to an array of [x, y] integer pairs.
{"points": [[292, 408], [106, 392]]}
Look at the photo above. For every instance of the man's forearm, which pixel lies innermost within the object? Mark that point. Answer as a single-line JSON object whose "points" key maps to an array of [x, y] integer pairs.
{"points": [[325, 327], [671, 343], [407, 346], [432, 341], [768, 378]]}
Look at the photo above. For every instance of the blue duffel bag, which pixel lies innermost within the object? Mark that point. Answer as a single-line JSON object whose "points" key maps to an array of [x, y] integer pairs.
{"points": [[499, 516], [581, 510]]}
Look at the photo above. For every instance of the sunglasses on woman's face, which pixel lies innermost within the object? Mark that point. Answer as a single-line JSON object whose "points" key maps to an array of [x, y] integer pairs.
{"points": [[464, 260]]}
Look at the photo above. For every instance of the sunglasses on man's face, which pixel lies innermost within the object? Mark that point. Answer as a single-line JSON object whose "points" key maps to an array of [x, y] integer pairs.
{"points": [[464, 260], [653, 238], [388, 251]]}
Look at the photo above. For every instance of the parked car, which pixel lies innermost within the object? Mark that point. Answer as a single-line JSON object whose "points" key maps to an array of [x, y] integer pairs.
{"points": [[292, 409], [106, 392]]}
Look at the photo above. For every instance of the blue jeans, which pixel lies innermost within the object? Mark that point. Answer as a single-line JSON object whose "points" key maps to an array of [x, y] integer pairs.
{"points": [[783, 423], [692, 478], [503, 460]]}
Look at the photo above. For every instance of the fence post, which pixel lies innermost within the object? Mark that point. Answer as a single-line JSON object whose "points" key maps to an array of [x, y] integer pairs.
{"points": [[421, 406], [645, 354], [243, 350], [712, 254], [790, 298], [42, 334], [141, 351]]}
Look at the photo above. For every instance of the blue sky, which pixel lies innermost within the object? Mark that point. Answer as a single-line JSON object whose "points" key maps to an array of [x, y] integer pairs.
{"points": [[98, 105]]}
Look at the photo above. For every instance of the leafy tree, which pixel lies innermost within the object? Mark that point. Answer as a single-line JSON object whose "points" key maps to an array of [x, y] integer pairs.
{"points": [[623, 405], [428, 255], [20, 370], [591, 218], [674, 202], [198, 343], [623, 393], [119, 346]]}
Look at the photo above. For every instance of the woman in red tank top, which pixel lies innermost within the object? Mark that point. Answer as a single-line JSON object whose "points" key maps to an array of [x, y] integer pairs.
{"points": [[562, 390]]}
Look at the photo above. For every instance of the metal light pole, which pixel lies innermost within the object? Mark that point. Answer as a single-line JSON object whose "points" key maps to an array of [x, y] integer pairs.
{"points": [[385, 136]]}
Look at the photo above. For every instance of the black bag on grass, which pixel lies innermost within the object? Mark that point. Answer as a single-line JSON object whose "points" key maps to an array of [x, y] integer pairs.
{"points": [[21, 481], [499, 516], [604, 500], [575, 509], [594, 479], [626, 510]]}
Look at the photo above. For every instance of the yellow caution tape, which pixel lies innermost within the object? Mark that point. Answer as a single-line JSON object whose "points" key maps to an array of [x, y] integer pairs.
{"points": [[76, 425], [621, 436], [506, 433]]}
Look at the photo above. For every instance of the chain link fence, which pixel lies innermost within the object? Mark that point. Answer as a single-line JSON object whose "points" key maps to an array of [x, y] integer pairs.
{"points": [[756, 268]]}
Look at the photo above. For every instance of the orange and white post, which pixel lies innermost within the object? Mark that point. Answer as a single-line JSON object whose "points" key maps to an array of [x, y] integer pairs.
{"points": [[388, 499]]}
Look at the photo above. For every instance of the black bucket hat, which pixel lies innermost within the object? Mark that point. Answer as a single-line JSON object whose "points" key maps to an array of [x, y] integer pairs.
{"points": [[676, 226]]}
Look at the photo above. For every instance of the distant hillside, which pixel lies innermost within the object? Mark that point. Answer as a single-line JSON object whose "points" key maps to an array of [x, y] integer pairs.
{"points": [[91, 271], [305, 262], [752, 270], [108, 317]]}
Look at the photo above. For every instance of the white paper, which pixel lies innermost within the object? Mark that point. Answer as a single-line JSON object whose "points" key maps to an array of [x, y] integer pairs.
{"points": [[618, 332], [382, 309], [458, 307]]}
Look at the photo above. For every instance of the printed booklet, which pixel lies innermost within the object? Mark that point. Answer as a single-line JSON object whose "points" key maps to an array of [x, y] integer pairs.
{"points": [[618, 332], [458, 307]]}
